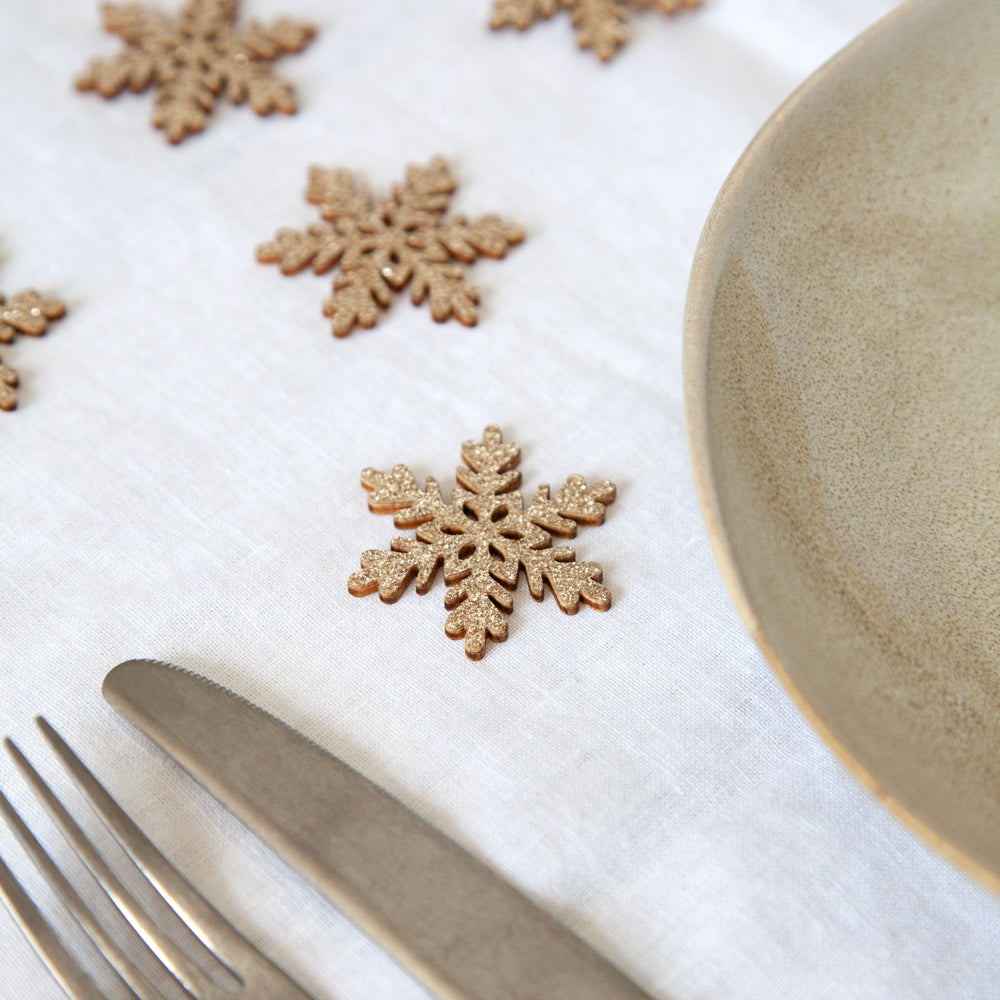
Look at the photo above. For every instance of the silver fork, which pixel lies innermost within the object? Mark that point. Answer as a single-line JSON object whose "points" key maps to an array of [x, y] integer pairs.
{"points": [[251, 975]]}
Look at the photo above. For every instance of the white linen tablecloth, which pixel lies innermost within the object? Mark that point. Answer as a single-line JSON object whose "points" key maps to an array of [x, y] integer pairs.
{"points": [[181, 481]]}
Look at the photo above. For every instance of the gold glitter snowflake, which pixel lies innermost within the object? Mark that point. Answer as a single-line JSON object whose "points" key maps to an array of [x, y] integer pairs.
{"points": [[483, 536], [24, 313], [601, 25], [381, 246], [194, 59]]}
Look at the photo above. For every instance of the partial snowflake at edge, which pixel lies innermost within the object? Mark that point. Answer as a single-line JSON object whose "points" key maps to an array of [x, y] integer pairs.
{"points": [[601, 25], [27, 313]]}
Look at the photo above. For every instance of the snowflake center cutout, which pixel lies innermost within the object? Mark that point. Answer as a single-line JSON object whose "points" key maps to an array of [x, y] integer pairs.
{"points": [[483, 537], [194, 59], [381, 246]]}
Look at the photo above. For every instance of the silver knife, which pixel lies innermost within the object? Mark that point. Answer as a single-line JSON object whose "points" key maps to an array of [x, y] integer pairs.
{"points": [[450, 920]]}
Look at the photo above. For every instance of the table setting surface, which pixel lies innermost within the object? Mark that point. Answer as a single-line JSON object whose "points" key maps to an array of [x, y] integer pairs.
{"points": [[183, 481]]}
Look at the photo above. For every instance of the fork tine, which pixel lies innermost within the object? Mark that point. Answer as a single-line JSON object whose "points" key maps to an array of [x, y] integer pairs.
{"points": [[166, 950], [50, 949], [253, 976], [231, 948], [72, 900]]}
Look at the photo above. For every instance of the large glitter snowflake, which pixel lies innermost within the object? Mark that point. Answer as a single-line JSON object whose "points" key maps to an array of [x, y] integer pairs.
{"points": [[195, 58], [25, 313], [601, 25], [483, 536], [381, 246]]}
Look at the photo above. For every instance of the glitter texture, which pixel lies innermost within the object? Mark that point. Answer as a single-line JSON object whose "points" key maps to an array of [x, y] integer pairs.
{"points": [[381, 246], [601, 25], [483, 536], [194, 59], [24, 313]]}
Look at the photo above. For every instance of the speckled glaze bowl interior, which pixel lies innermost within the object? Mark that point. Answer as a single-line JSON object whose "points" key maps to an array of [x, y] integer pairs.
{"points": [[842, 371]]}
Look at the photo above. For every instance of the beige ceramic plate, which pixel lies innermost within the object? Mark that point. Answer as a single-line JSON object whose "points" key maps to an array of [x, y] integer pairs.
{"points": [[842, 367]]}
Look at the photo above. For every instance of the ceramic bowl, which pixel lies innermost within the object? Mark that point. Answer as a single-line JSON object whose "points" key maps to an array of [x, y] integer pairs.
{"points": [[842, 372]]}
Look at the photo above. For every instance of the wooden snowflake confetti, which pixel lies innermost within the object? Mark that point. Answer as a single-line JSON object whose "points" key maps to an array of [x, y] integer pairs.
{"points": [[483, 536], [24, 313], [601, 25], [194, 59], [383, 245]]}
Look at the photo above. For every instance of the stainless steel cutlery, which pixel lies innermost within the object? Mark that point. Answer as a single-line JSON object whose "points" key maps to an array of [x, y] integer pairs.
{"points": [[221, 963], [448, 918]]}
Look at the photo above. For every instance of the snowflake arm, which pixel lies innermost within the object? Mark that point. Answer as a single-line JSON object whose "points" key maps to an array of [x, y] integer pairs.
{"points": [[345, 205], [135, 24], [383, 246], [184, 102], [442, 284], [571, 582], [8, 382], [489, 236], [575, 503], [480, 592], [492, 464], [522, 13], [249, 74], [28, 313], [282, 37], [338, 195], [390, 572], [667, 6], [360, 295], [25, 313], [425, 195], [249, 82], [600, 25], [148, 36], [479, 609], [396, 493], [132, 68], [294, 250]]}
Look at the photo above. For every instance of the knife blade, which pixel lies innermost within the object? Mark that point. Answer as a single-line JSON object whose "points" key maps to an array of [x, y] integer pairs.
{"points": [[445, 916]]}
